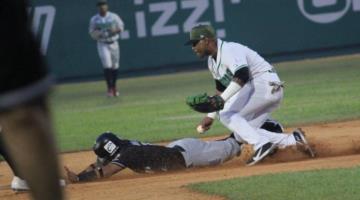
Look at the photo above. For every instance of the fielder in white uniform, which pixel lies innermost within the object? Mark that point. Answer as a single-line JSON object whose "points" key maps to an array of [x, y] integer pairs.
{"points": [[105, 28], [249, 89]]}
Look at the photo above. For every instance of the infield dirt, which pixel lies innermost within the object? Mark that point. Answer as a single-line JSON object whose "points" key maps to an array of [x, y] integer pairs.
{"points": [[337, 146]]}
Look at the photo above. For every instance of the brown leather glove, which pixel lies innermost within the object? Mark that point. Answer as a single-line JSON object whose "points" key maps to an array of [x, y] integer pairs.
{"points": [[72, 176], [206, 123]]}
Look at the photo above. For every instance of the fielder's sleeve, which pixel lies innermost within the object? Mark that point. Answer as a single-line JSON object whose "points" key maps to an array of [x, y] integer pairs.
{"points": [[119, 23], [94, 33], [235, 58]]}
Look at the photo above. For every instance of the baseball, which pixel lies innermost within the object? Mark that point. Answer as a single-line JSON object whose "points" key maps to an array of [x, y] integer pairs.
{"points": [[200, 129]]}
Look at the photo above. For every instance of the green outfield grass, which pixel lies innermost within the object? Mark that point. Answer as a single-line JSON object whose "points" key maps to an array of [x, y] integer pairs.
{"points": [[153, 108], [312, 185]]}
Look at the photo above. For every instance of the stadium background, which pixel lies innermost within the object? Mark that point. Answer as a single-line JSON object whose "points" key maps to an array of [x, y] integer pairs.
{"points": [[322, 95], [156, 30]]}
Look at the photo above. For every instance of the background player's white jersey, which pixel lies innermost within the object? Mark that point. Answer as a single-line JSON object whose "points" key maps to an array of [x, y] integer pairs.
{"points": [[231, 57], [100, 26]]}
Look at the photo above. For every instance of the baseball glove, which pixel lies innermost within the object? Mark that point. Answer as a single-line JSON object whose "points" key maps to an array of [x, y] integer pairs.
{"points": [[204, 103], [96, 34]]}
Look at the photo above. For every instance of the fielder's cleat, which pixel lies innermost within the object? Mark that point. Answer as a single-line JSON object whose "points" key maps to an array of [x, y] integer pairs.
{"points": [[115, 93], [261, 153], [20, 185], [273, 126], [110, 93], [302, 143]]}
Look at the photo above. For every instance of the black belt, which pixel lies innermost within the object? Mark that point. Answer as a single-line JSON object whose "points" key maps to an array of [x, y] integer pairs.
{"points": [[109, 42]]}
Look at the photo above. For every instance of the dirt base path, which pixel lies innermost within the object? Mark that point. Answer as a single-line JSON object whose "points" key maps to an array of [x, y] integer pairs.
{"points": [[337, 145]]}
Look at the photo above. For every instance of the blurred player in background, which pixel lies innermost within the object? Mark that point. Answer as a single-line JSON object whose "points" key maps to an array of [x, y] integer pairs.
{"points": [[24, 113], [105, 28]]}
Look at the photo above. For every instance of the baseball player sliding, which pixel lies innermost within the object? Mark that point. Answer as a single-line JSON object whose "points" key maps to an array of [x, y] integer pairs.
{"points": [[105, 28], [115, 154], [248, 89]]}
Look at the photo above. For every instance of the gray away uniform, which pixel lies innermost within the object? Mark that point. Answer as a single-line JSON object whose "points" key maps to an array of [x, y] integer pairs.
{"points": [[180, 154], [207, 153]]}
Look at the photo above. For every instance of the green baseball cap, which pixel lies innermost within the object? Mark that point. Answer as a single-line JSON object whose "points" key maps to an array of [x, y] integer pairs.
{"points": [[200, 32], [101, 2]]}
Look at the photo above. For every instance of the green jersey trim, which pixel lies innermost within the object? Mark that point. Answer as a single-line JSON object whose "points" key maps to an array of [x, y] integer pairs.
{"points": [[241, 66], [220, 55], [227, 78]]}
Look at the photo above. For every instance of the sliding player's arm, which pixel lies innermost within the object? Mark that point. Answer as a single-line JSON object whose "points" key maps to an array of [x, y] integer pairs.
{"points": [[92, 173]]}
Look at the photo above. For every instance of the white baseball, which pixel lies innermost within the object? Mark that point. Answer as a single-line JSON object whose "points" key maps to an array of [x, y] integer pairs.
{"points": [[200, 129]]}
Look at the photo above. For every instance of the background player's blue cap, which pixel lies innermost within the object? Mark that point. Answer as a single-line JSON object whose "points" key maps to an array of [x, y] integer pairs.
{"points": [[101, 2]]}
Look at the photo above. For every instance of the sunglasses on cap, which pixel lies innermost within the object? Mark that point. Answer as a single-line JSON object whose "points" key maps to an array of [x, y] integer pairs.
{"points": [[194, 43]]}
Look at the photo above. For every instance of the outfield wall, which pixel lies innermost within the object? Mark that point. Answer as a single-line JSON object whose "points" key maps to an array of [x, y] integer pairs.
{"points": [[156, 29]]}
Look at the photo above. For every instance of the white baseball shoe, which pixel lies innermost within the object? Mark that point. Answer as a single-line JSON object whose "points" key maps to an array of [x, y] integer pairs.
{"points": [[302, 144], [115, 92], [110, 93], [18, 184], [261, 153]]}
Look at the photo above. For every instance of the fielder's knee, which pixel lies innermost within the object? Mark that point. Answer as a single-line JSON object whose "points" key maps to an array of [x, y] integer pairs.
{"points": [[225, 117]]}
